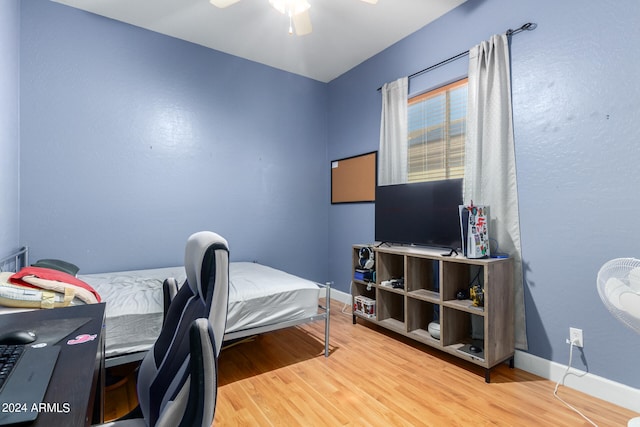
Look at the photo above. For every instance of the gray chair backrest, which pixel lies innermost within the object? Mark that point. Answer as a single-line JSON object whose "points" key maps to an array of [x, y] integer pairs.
{"points": [[195, 404], [165, 369]]}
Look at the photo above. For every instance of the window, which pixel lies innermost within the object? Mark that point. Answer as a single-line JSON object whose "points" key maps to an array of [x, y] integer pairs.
{"points": [[437, 127]]}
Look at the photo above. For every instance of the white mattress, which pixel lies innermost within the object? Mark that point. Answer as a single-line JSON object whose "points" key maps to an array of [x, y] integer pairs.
{"points": [[258, 296], [134, 307], [262, 296]]}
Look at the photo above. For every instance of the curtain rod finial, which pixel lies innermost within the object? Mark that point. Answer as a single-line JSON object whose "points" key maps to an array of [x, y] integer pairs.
{"points": [[529, 26]]}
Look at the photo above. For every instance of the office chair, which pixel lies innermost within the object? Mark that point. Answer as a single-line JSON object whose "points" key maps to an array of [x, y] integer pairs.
{"points": [[165, 377], [206, 263], [193, 402]]}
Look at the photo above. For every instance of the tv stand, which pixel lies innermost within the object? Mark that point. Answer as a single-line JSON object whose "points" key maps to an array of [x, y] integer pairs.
{"points": [[451, 252], [483, 335]]}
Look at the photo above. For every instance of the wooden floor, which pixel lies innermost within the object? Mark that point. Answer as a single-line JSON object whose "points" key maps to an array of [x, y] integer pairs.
{"points": [[120, 396], [377, 378]]}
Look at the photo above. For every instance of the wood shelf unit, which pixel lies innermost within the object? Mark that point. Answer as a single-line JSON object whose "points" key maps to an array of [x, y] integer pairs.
{"points": [[431, 284]]}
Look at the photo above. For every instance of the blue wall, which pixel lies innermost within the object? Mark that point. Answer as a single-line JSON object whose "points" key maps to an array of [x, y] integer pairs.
{"points": [[132, 140], [576, 111], [9, 126]]}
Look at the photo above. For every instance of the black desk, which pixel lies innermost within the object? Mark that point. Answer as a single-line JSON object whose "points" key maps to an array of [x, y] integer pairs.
{"points": [[75, 391]]}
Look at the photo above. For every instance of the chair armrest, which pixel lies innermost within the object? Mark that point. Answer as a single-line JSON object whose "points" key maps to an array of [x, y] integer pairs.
{"points": [[203, 387], [169, 291]]}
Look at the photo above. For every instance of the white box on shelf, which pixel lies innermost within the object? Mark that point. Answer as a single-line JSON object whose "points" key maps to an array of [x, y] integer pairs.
{"points": [[365, 306]]}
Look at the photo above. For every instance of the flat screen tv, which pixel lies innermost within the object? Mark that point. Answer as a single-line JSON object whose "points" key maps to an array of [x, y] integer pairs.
{"points": [[422, 213]]}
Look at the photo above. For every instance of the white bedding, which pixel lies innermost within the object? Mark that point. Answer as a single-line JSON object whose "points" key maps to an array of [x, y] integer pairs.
{"points": [[134, 307], [258, 296]]}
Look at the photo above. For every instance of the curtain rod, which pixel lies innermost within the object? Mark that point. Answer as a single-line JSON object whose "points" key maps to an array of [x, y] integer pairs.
{"points": [[529, 26]]}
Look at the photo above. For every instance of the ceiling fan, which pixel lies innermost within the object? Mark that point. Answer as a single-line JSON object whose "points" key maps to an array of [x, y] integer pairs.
{"points": [[297, 10]]}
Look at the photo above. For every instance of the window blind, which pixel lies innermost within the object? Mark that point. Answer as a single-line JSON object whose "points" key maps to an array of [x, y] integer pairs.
{"points": [[436, 133]]}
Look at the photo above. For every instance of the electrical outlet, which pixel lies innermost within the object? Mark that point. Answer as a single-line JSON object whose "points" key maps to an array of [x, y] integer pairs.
{"points": [[575, 337]]}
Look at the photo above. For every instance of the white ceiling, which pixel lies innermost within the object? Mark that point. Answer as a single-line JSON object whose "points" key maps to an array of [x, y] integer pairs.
{"points": [[345, 32]]}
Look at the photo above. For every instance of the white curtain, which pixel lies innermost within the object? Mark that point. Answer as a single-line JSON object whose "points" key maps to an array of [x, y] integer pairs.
{"points": [[490, 168], [392, 158]]}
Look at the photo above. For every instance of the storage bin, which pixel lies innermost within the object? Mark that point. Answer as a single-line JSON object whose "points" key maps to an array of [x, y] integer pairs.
{"points": [[365, 306]]}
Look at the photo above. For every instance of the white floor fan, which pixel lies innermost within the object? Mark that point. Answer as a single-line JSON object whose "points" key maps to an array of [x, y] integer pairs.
{"points": [[297, 10], [619, 288]]}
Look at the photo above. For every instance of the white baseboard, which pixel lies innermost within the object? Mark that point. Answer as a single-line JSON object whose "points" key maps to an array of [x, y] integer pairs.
{"points": [[593, 385], [337, 295], [341, 297]]}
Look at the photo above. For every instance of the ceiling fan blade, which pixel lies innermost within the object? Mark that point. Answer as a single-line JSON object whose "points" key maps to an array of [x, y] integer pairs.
{"points": [[370, 1], [223, 3], [302, 23]]}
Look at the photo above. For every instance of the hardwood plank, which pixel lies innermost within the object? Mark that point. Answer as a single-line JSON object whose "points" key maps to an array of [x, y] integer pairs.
{"points": [[121, 397], [374, 377]]}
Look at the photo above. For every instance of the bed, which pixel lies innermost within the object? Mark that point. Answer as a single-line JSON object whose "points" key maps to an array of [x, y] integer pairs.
{"points": [[261, 299]]}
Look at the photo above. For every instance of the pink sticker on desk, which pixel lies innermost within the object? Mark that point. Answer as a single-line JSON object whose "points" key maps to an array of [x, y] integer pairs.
{"points": [[80, 339]]}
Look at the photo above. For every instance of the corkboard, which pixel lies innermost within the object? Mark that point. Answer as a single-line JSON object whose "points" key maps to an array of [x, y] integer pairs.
{"points": [[353, 179]]}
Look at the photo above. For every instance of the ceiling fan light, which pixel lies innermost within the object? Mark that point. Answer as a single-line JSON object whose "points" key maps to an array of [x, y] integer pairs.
{"points": [[290, 7], [223, 3], [302, 23]]}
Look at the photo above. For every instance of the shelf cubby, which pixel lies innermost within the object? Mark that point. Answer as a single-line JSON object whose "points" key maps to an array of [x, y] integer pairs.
{"points": [[422, 313], [422, 279], [390, 266], [359, 288], [459, 276], [390, 307], [458, 330]]}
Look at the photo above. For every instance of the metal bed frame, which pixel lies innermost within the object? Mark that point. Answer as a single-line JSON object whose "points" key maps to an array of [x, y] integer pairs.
{"points": [[16, 260], [324, 314], [324, 311], [20, 258]]}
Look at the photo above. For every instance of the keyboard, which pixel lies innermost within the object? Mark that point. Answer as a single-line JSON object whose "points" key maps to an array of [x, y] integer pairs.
{"points": [[9, 355], [25, 374]]}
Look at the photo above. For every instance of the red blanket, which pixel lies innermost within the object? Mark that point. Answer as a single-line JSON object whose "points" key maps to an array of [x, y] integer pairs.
{"points": [[50, 274]]}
